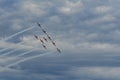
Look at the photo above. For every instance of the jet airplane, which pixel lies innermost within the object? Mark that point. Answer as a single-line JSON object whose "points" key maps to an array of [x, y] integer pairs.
{"points": [[58, 50], [36, 37], [45, 39], [41, 41]]}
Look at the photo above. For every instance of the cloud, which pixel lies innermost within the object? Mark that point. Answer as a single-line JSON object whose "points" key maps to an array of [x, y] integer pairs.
{"points": [[103, 73], [16, 24], [86, 31], [35, 8], [55, 19], [99, 20], [7, 60], [102, 9], [71, 7]]}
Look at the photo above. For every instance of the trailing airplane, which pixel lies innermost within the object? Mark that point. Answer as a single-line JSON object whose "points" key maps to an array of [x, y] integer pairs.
{"points": [[49, 37], [53, 43], [41, 41], [44, 46]]}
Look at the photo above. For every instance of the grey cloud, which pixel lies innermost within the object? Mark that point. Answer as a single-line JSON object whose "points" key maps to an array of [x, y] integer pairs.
{"points": [[89, 38]]}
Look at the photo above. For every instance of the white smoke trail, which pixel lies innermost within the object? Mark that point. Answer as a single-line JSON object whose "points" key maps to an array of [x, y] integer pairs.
{"points": [[26, 59], [14, 36], [18, 33], [7, 53], [22, 54], [2, 50]]}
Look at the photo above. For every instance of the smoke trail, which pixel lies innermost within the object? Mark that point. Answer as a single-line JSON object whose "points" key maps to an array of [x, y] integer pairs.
{"points": [[7, 53], [18, 33], [14, 36], [26, 59], [26, 52], [2, 50]]}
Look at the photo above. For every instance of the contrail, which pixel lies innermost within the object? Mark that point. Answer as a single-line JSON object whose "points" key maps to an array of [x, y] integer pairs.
{"points": [[26, 59], [22, 54], [18, 33], [7, 53], [2, 50], [14, 36]]}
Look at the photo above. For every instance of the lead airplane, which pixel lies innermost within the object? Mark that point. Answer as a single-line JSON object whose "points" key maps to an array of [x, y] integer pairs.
{"points": [[58, 50]]}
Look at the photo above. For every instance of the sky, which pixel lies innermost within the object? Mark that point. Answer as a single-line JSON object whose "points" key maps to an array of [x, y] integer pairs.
{"points": [[86, 31]]}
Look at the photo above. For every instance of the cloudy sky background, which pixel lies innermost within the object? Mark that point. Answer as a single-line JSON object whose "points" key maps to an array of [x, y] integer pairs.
{"points": [[87, 32]]}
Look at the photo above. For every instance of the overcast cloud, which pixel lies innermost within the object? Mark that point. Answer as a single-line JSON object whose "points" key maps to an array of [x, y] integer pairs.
{"points": [[86, 31]]}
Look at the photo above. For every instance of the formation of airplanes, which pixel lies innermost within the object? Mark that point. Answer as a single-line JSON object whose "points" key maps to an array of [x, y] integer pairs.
{"points": [[43, 40]]}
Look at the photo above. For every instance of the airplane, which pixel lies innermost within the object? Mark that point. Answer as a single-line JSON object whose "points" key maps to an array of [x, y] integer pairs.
{"points": [[39, 25], [58, 50], [53, 43], [41, 41], [49, 37], [44, 31], [44, 46], [36, 37], [45, 39]]}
